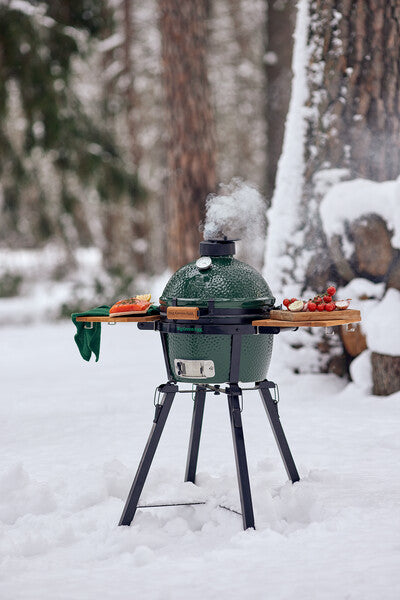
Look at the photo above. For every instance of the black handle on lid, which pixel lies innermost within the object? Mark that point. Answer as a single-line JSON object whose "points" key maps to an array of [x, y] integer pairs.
{"points": [[222, 247]]}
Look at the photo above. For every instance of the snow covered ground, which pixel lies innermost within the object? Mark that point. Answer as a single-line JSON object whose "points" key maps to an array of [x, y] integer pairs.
{"points": [[72, 434]]}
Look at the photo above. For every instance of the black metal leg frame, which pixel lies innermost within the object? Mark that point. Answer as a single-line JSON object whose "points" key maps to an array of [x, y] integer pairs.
{"points": [[234, 395]]}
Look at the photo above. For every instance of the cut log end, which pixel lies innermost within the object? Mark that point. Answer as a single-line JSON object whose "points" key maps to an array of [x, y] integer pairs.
{"points": [[385, 374]]}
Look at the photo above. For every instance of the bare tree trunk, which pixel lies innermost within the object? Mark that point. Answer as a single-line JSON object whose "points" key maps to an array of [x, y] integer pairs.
{"points": [[354, 123], [140, 217], [353, 128], [278, 60], [190, 126], [131, 96], [358, 126]]}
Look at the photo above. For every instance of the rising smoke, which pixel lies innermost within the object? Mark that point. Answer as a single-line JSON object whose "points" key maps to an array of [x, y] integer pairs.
{"points": [[239, 213]]}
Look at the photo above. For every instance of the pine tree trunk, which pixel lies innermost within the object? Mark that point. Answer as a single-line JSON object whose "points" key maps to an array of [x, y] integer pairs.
{"points": [[355, 68], [131, 96], [190, 127], [278, 60], [354, 122], [244, 135], [353, 126]]}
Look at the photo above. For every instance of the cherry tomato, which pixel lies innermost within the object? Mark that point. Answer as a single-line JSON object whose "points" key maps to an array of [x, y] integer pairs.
{"points": [[330, 306]]}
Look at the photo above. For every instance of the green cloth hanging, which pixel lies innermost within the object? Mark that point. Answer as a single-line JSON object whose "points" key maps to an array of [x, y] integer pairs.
{"points": [[87, 338]]}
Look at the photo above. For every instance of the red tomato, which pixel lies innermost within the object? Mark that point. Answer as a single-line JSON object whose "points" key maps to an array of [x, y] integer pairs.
{"points": [[318, 300], [286, 302], [331, 290], [293, 300], [330, 306], [327, 299], [321, 307], [312, 306]]}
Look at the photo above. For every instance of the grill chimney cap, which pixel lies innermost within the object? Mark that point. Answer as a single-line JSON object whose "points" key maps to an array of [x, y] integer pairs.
{"points": [[221, 247]]}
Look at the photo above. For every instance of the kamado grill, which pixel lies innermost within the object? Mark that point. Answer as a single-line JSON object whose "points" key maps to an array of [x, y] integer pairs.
{"points": [[217, 325], [207, 309]]}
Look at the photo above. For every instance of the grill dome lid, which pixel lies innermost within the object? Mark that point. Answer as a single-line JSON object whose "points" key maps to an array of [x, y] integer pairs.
{"points": [[229, 282]]}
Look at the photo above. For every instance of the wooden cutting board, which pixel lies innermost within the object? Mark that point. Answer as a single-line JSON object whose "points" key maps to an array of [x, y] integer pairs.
{"points": [[285, 318], [349, 315]]}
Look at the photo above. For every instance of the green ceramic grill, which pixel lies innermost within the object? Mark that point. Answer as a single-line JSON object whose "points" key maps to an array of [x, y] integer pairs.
{"points": [[207, 312], [207, 308]]}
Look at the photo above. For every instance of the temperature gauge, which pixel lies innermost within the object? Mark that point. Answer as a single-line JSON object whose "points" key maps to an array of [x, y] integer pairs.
{"points": [[203, 263]]}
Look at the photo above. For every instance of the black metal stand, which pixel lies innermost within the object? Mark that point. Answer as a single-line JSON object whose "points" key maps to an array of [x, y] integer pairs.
{"points": [[160, 417], [234, 393], [271, 408], [195, 433]]}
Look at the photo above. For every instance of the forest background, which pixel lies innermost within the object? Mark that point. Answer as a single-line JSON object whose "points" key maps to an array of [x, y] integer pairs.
{"points": [[119, 118]]}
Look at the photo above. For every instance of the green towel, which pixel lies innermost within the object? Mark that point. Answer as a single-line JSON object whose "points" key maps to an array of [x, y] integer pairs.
{"points": [[88, 338]]}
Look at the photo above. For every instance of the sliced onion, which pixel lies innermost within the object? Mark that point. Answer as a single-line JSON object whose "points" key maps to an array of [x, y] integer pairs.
{"points": [[343, 304], [296, 306]]}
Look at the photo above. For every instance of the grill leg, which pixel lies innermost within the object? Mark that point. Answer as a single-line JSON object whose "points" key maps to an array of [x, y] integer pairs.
{"points": [[195, 432], [162, 410], [240, 456], [273, 416]]}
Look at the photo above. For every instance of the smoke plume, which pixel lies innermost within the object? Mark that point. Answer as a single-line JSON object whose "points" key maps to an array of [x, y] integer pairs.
{"points": [[239, 213]]}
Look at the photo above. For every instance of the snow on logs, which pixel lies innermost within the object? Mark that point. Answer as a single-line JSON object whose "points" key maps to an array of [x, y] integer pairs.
{"points": [[361, 220]]}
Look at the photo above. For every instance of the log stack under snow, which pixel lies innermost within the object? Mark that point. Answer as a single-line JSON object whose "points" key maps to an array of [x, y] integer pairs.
{"points": [[361, 220]]}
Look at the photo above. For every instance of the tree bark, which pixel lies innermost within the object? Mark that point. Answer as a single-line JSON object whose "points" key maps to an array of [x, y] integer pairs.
{"points": [[354, 107], [353, 127], [130, 93], [190, 125], [354, 74], [278, 60]]}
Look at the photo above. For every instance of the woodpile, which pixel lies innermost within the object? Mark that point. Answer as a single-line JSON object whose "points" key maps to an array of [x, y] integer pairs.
{"points": [[375, 259]]}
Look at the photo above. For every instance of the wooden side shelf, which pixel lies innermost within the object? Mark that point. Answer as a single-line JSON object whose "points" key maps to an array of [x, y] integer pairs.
{"points": [[309, 323], [350, 315], [277, 323], [118, 319], [326, 322]]}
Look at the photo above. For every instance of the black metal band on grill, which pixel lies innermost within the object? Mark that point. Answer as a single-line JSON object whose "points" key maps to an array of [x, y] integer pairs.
{"points": [[243, 319], [256, 306], [194, 327], [225, 315]]}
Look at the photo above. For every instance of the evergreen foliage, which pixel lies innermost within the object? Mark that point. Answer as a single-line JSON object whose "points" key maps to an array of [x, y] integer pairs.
{"points": [[46, 133]]}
